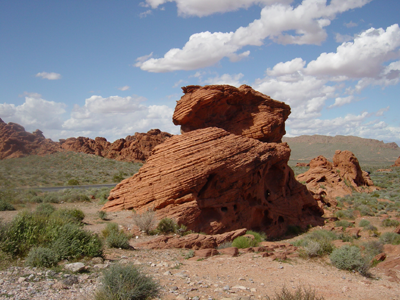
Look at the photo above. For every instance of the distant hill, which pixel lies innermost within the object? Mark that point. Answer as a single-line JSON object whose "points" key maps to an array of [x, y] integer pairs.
{"points": [[368, 151]]}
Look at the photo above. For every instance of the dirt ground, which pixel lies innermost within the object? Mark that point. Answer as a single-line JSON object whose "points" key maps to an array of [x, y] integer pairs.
{"points": [[248, 276]]}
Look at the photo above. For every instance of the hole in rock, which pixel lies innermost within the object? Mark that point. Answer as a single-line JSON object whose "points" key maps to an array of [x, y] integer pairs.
{"points": [[235, 207], [267, 194], [281, 220], [224, 209]]}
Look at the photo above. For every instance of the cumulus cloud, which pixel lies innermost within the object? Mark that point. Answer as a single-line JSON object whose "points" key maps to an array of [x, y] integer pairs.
{"points": [[204, 49], [49, 76], [124, 88], [145, 13], [201, 8], [362, 58], [340, 38], [234, 80], [350, 24], [34, 113]]}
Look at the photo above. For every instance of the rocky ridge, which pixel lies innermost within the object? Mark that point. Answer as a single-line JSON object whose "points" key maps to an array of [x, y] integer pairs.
{"points": [[16, 142]]}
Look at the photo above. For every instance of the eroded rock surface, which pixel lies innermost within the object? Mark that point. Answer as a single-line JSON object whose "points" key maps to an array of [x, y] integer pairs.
{"points": [[397, 162], [214, 181], [327, 180], [16, 142], [242, 111]]}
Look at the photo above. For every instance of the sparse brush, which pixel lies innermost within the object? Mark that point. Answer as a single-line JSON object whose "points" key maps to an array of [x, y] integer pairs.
{"points": [[350, 258], [45, 209], [4, 206], [126, 283], [145, 221], [301, 293], [102, 214], [364, 223], [69, 214], [41, 257], [225, 245], [167, 225], [344, 224], [258, 236], [390, 238], [390, 223], [244, 242], [344, 214], [115, 238]]}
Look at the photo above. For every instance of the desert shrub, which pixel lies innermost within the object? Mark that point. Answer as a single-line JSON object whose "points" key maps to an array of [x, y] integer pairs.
{"points": [[45, 209], [36, 199], [41, 257], [71, 241], [145, 221], [189, 254], [294, 230], [258, 236], [50, 198], [344, 224], [115, 238], [4, 206], [102, 214], [225, 245], [390, 238], [349, 258], [390, 223], [126, 283], [72, 182], [364, 223], [365, 210], [317, 243], [372, 248], [167, 225], [244, 242], [344, 214], [69, 215], [301, 293]]}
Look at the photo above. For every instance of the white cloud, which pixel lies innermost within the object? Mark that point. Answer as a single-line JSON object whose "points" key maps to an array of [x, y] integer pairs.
{"points": [[179, 83], [339, 101], [234, 80], [289, 67], [201, 8], [340, 38], [206, 49], [380, 112], [124, 88], [145, 13], [362, 58], [350, 24], [34, 113], [49, 76]]}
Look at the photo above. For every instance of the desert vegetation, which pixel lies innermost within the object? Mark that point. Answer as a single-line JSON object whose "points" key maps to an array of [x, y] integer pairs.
{"points": [[63, 168]]}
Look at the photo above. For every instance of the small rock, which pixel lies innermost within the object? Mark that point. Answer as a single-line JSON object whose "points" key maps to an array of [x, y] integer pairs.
{"points": [[100, 266], [75, 267], [239, 287], [21, 279], [97, 260], [226, 288], [70, 280], [59, 286], [167, 273]]}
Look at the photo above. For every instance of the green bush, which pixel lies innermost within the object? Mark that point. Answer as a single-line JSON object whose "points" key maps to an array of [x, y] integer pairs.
{"points": [[167, 225], [115, 238], [372, 248], [344, 224], [110, 227], [317, 243], [349, 258], [244, 242], [71, 241], [390, 238], [364, 223], [126, 283], [258, 236], [102, 214], [41, 257], [390, 223], [4, 206], [69, 215], [72, 182], [301, 293], [45, 209], [344, 214]]}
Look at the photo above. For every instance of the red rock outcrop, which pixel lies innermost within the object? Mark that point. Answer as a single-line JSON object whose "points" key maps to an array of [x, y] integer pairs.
{"points": [[326, 180], [214, 181], [397, 162], [16, 142], [133, 148], [242, 111]]}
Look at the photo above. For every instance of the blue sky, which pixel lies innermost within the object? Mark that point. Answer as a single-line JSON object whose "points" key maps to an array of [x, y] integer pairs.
{"points": [[113, 68]]}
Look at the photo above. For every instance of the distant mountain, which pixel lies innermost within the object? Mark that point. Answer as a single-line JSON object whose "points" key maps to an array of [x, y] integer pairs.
{"points": [[368, 151], [16, 142]]}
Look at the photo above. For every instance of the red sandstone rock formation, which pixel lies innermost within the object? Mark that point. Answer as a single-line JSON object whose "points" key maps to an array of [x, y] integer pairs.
{"points": [[16, 142], [397, 162], [242, 111], [213, 181], [326, 180], [134, 148]]}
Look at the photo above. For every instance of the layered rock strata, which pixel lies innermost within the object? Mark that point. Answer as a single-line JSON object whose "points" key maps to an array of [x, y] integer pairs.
{"points": [[214, 181], [242, 111], [326, 180], [397, 162]]}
